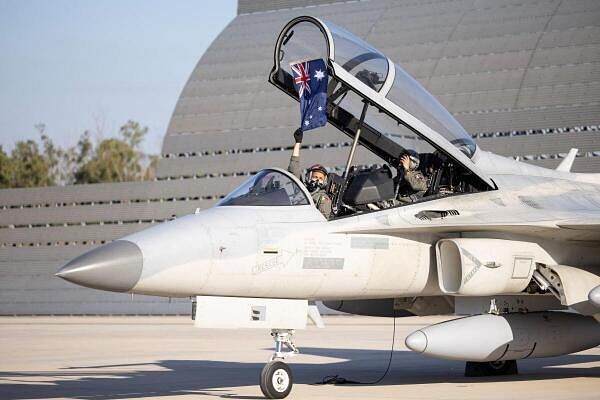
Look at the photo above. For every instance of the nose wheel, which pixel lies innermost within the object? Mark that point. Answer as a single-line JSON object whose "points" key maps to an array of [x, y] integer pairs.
{"points": [[276, 378]]}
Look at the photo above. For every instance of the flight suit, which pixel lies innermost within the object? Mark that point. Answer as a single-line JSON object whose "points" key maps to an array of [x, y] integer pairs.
{"points": [[319, 196], [412, 187]]}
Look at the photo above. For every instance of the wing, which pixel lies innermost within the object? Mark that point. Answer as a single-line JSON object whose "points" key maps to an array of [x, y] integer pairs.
{"points": [[567, 226], [579, 225]]}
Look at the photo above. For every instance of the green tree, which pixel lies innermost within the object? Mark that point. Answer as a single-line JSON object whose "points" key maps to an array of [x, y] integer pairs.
{"points": [[113, 160], [54, 157], [84, 148], [30, 167], [75, 157], [110, 160], [6, 168], [133, 133]]}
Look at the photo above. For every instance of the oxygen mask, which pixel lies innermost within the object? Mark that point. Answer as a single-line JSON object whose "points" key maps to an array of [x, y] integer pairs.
{"points": [[314, 184]]}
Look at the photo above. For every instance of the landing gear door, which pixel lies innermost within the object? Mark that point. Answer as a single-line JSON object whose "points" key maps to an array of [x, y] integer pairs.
{"points": [[246, 312]]}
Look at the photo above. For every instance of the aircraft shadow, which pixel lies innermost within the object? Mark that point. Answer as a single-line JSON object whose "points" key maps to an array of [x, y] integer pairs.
{"points": [[216, 378]]}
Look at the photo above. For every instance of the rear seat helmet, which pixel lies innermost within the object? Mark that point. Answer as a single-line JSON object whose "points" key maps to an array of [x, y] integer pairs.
{"points": [[314, 183], [414, 159]]}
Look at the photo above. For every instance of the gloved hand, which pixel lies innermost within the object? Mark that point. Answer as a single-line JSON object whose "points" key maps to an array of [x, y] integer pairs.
{"points": [[298, 135], [405, 162]]}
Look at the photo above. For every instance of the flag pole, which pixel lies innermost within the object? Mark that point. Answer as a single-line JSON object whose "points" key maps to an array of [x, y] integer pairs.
{"points": [[356, 137]]}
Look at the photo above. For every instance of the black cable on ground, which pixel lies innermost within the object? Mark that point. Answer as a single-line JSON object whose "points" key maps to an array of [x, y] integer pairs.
{"points": [[338, 380]]}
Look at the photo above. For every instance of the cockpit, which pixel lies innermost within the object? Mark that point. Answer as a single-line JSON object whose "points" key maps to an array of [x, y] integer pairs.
{"points": [[269, 187], [381, 108]]}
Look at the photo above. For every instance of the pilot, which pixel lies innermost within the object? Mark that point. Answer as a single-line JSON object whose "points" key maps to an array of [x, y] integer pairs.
{"points": [[315, 179], [411, 185]]}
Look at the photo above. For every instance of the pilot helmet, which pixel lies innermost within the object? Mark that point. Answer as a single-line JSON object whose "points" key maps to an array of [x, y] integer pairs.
{"points": [[313, 184], [414, 159]]}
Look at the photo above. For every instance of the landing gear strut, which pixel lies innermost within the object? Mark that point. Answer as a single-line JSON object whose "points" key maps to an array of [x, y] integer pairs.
{"points": [[276, 378]]}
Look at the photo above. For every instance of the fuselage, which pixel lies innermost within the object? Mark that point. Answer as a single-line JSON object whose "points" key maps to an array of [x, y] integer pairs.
{"points": [[293, 252]]}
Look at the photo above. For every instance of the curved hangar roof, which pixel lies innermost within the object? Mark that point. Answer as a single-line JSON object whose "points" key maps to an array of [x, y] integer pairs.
{"points": [[497, 65]]}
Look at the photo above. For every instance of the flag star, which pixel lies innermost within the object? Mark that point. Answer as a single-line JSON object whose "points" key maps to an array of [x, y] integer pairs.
{"points": [[319, 75], [306, 123], [310, 117], [320, 108]]}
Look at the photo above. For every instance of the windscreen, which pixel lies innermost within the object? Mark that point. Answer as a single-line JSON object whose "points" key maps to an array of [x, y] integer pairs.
{"points": [[267, 188]]}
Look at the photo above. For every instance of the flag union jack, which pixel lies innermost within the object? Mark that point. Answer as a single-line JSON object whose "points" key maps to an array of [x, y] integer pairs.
{"points": [[310, 80], [302, 74]]}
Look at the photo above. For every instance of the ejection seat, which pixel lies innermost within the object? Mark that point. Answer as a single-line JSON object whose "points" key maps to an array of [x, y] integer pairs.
{"points": [[366, 188]]}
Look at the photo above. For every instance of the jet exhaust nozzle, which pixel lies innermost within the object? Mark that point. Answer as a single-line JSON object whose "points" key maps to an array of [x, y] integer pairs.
{"points": [[116, 266], [488, 337]]}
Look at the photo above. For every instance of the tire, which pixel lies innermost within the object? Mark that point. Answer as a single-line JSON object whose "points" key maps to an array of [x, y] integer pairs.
{"points": [[276, 380]]}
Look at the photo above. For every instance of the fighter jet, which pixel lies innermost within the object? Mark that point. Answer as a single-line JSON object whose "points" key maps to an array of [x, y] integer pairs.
{"points": [[512, 246]]}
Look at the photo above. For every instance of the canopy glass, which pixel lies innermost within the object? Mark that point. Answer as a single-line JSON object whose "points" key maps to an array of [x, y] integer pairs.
{"points": [[406, 116], [359, 58], [414, 99]]}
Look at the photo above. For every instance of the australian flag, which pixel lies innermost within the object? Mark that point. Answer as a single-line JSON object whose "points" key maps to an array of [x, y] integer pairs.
{"points": [[310, 78]]}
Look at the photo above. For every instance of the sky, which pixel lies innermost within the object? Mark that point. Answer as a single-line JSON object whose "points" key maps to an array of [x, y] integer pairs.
{"points": [[93, 65]]}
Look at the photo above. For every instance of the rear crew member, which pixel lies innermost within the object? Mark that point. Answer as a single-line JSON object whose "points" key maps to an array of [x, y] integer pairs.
{"points": [[411, 185], [315, 180]]}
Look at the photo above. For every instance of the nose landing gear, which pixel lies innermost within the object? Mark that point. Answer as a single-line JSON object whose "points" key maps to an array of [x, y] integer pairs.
{"points": [[276, 378]]}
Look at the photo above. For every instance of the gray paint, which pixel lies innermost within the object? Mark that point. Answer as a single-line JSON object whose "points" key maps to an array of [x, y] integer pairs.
{"points": [[127, 193], [100, 213], [249, 6], [116, 266], [359, 242], [322, 263]]}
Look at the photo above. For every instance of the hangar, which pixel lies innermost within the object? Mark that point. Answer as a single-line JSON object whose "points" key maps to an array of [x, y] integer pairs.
{"points": [[523, 77]]}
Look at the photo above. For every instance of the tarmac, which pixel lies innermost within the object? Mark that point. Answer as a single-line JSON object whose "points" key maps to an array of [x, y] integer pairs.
{"points": [[166, 357]]}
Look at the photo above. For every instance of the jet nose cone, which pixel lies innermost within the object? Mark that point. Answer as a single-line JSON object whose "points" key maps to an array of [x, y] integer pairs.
{"points": [[416, 341], [116, 266]]}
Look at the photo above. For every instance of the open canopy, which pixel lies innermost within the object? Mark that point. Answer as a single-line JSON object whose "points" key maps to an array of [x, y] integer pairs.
{"points": [[406, 114]]}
